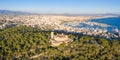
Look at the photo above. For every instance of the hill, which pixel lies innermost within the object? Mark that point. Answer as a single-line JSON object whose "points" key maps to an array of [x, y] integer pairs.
{"points": [[28, 43]]}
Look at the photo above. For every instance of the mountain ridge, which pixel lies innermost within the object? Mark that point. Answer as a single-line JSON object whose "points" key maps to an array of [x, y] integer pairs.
{"points": [[10, 12]]}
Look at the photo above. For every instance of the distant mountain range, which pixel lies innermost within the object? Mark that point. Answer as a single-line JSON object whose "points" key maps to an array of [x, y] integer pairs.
{"points": [[9, 12]]}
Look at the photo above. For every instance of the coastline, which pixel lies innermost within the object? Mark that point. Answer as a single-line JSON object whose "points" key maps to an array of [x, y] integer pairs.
{"points": [[56, 23], [71, 27]]}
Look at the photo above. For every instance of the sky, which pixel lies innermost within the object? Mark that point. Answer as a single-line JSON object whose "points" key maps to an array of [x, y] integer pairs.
{"points": [[62, 6]]}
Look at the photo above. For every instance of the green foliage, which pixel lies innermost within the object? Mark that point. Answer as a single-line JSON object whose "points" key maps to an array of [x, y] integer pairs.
{"points": [[23, 42], [17, 41]]}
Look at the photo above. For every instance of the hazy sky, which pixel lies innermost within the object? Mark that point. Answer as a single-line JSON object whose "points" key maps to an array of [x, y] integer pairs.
{"points": [[62, 6]]}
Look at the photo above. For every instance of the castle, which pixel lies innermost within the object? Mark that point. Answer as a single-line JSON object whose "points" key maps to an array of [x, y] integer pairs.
{"points": [[58, 39]]}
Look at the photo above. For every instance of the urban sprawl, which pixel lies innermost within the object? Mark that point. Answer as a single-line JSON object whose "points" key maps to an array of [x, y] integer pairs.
{"points": [[51, 22]]}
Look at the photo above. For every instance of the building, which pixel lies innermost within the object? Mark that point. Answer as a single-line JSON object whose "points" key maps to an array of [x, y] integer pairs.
{"points": [[58, 39]]}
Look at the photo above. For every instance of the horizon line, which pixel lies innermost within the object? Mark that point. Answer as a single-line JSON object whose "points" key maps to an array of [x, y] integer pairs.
{"points": [[57, 13]]}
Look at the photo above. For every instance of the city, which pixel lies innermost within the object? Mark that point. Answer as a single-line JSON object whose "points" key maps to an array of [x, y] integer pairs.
{"points": [[59, 30], [52, 22]]}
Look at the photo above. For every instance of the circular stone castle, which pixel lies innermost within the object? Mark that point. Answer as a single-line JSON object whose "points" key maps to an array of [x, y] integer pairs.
{"points": [[58, 39]]}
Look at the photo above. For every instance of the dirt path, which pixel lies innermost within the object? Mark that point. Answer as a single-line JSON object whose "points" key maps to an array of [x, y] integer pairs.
{"points": [[36, 56]]}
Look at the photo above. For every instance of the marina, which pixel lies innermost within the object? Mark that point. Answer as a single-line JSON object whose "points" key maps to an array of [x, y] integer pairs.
{"points": [[96, 27]]}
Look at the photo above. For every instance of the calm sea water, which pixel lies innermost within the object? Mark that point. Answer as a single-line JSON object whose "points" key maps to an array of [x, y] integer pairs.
{"points": [[111, 24], [113, 21]]}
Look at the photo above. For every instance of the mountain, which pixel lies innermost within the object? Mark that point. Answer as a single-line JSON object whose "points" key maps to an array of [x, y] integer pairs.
{"points": [[112, 14], [9, 12]]}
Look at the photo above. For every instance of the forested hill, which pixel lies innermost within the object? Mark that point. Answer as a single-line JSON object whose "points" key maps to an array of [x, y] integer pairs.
{"points": [[23, 43]]}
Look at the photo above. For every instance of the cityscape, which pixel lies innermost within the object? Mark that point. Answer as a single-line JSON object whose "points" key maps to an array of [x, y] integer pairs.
{"points": [[59, 30]]}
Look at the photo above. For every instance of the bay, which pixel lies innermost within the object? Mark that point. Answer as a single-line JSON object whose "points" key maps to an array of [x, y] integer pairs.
{"points": [[113, 21]]}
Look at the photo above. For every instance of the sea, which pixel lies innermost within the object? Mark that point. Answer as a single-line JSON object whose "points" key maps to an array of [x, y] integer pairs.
{"points": [[111, 24], [113, 21]]}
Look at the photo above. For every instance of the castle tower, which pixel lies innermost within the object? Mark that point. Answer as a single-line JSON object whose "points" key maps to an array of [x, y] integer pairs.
{"points": [[52, 35]]}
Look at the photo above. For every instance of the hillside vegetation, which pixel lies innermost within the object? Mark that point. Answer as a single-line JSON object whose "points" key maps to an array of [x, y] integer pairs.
{"points": [[23, 43]]}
